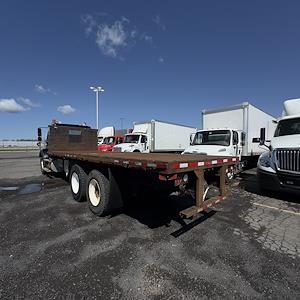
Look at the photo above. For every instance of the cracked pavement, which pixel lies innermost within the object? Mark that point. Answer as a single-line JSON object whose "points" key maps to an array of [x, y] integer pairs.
{"points": [[52, 247]]}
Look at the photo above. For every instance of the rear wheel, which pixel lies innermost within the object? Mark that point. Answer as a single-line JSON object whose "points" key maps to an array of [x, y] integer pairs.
{"points": [[78, 179], [42, 166], [97, 193]]}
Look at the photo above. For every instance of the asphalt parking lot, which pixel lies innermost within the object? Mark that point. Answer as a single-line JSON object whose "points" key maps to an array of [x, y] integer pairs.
{"points": [[52, 247]]}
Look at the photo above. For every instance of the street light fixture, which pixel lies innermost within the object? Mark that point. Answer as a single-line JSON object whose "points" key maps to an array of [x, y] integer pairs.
{"points": [[97, 89]]}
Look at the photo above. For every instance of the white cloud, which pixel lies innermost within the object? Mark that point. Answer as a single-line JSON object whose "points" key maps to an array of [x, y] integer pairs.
{"points": [[43, 90], [11, 106], [133, 33], [161, 60], [28, 102], [147, 38], [66, 109], [157, 20], [91, 23], [111, 38]]}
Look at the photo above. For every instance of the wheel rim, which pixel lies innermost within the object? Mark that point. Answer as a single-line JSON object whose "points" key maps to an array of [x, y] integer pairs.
{"points": [[230, 175], [75, 183], [94, 192]]}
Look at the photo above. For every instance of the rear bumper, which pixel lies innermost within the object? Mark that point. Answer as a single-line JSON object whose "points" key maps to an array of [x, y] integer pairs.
{"points": [[278, 181]]}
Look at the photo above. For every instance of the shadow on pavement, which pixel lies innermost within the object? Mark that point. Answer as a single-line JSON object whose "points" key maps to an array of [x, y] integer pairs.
{"points": [[159, 211]]}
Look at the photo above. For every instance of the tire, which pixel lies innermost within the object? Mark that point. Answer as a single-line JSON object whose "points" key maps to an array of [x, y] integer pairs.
{"points": [[205, 189], [229, 178], [42, 166], [77, 180], [97, 193]]}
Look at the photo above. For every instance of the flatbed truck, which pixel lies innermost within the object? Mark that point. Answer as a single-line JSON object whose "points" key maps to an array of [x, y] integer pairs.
{"points": [[105, 178]]}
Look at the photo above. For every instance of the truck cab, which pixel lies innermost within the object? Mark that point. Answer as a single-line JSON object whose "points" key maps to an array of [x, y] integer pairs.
{"points": [[279, 168], [220, 141], [133, 142], [109, 142], [105, 132]]}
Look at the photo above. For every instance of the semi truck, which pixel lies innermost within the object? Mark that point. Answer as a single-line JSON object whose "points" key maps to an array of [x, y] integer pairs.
{"points": [[156, 136], [105, 179], [109, 142], [278, 169], [105, 132], [229, 131]]}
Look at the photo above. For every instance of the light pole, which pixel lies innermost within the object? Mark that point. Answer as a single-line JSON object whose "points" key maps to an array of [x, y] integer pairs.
{"points": [[122, 123], [97, 89]]}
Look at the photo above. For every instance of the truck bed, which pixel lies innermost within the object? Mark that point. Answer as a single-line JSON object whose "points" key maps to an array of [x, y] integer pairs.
{"points": [[166, 163]]}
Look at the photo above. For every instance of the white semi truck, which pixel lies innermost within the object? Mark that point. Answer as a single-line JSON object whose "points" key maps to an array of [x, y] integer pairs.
{"points": [[156, 136], [230, 131], [105, 132], [279, 168]]}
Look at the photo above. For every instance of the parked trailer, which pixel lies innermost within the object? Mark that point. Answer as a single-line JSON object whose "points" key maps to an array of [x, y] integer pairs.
{"points": [[103, 177]]}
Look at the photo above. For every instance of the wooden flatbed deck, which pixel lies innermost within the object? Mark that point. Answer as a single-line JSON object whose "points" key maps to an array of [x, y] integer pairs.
{"points": [[166, 163]]}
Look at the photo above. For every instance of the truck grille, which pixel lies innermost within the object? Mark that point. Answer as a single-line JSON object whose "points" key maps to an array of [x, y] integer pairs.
{"points": [[288, 160]]}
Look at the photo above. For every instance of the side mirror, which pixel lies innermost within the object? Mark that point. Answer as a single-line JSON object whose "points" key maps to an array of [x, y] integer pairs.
{"points": [[39, 134], [262, 138], [192, 138]]}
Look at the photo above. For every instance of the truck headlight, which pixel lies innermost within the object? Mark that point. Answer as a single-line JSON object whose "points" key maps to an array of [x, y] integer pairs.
{"points": [[265, 160]]}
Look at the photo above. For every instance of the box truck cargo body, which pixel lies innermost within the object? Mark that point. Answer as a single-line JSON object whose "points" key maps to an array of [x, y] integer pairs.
{"points": [[156, 136]]}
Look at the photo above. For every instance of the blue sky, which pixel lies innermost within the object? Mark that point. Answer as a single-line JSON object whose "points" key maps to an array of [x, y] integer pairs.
{"points": [[155, 59]]}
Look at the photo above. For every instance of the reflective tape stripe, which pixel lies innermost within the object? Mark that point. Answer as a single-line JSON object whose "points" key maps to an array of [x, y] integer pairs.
{"points": [[183, 165], [200, 163], [214, 162], [151, 165]]}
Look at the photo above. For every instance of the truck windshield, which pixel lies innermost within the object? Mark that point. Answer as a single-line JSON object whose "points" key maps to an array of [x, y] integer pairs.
{"points": [[108, 140], [288, 127], [213, 137], [132, 138]]}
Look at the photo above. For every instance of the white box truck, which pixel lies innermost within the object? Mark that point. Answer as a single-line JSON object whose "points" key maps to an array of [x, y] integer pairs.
{"points": [[230, 131], [156, 136], [279, 168]]}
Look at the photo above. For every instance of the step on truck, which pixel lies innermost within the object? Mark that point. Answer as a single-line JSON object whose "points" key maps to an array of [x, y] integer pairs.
{"points": [[105, 179]]}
